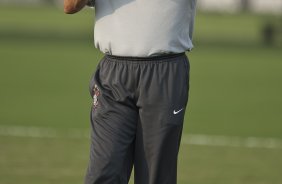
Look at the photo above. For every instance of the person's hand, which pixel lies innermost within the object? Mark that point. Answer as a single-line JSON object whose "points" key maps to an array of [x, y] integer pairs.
{"points": [[74, 6]]}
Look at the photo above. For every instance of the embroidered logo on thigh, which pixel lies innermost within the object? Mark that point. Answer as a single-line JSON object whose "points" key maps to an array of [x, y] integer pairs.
{"points": [[96, 92]]}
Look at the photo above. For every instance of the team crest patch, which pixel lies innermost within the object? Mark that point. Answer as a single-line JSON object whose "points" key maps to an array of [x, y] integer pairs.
{"points": [[96, 92]]}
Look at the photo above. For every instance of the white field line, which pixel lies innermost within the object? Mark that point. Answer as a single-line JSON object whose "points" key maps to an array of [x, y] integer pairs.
{"points": [[40, 132], [233, 141], [187, 139]]}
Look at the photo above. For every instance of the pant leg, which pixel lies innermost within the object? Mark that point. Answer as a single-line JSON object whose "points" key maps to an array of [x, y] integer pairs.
{"points": [[113, 121], [162, 102]]}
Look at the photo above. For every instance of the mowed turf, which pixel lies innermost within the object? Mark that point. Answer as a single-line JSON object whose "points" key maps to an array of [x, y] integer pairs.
{"points": [[46, 61]]}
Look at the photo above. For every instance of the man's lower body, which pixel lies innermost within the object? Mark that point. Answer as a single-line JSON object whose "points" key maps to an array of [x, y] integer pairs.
{"points": [[137, 119]]}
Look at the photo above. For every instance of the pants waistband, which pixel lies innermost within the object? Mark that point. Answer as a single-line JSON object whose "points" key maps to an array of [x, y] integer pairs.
{"points": [[143, 59]]}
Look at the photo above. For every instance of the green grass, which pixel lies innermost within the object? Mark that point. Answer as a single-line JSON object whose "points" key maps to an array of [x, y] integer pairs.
{"points": [[46, 61], [45, 161]]}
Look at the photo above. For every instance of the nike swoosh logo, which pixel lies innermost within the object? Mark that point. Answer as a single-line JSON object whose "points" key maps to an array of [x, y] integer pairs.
{"points": [[176, 112]]}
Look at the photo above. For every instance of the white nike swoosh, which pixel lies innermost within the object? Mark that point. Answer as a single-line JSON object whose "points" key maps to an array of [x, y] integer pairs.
{"points": [[176, 112]]}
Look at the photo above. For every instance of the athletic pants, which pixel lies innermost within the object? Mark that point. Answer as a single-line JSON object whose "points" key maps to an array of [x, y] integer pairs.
{"points": [[137, 119]]}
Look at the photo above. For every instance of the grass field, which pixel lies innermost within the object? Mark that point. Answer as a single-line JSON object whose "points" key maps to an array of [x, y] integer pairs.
{"points": [[47, 58]]}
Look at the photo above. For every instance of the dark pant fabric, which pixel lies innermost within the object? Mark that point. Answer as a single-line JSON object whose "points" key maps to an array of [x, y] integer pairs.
{"points": [[137, 119]]}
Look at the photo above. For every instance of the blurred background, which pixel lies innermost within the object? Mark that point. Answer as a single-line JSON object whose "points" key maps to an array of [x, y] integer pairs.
{"points": [[233, 125]]}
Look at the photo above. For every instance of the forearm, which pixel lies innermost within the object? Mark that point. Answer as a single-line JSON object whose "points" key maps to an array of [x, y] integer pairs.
{"points": [[73, 6]]}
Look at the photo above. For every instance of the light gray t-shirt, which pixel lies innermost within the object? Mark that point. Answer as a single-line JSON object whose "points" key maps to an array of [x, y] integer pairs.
{"points": [[143, 28]]}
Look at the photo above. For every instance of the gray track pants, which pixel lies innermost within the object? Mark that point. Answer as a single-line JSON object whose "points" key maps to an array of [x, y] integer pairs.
{"points": [[137, 119]]}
